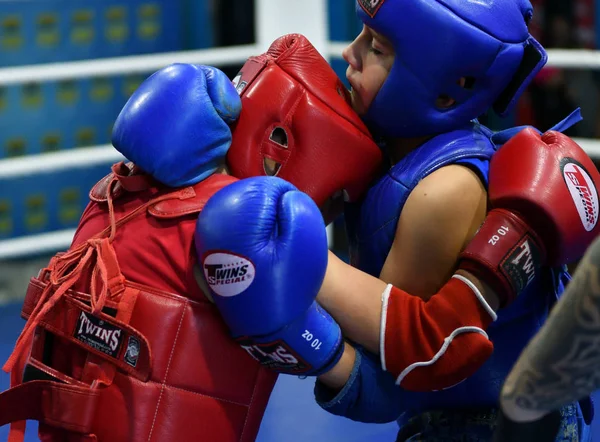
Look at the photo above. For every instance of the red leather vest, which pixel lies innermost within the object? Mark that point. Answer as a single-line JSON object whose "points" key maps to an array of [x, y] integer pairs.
{"points": [[121, 345]]}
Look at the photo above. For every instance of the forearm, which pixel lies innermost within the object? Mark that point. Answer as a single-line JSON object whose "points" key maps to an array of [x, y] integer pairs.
{"points": [[338, 376], [425, 345], [353, 298], [369, 395], [561, 365]]}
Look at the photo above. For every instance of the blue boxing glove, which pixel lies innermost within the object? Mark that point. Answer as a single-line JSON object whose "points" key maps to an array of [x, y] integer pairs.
{"points": [[263, 248], [175, 125]]}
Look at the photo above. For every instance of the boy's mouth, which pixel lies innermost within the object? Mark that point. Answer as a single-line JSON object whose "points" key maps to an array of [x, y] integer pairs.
{"points": [[354, 99]]}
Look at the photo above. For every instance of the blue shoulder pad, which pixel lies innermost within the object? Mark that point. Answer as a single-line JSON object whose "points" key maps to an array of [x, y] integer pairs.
{"points": [[501, 137]]}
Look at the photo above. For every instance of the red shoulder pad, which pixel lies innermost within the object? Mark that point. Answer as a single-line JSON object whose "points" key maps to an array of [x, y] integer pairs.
{"points": [[129, 178], [190, 200], [99, 192]]}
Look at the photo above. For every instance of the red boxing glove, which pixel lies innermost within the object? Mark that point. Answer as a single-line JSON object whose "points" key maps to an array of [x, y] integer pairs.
{"points": [[544, 198]]}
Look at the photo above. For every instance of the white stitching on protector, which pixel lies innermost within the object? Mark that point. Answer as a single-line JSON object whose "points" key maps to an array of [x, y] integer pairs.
{"points": [[479, 296], [197, 393], [258, 373], [385, 296], [440, 353], [164, 382]]}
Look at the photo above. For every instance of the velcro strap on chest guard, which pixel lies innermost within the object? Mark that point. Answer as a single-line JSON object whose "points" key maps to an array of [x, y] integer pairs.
{"points": [[71, 407], [55, 398], [101, 334]]}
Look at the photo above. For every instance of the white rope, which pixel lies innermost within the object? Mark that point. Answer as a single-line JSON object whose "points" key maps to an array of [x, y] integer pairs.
{"points": [[56, 161], [52, 242], [591, 147], [96, 156], [563, 58], [576, 59], [56, 241], [134, 64], [32, 245]]}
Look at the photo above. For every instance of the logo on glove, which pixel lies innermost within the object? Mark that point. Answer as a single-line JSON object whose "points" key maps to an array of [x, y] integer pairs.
{"points": [[276, 356], [583, 192], [228, 274], [521, 264], [371, 6]]}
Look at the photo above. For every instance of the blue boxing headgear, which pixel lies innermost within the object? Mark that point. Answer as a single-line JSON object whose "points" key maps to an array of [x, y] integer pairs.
{"points": [[437, 42]]}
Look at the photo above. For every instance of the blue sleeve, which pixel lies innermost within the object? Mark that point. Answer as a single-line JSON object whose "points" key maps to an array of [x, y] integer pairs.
{"points": [[370, 395], [479, 166]]}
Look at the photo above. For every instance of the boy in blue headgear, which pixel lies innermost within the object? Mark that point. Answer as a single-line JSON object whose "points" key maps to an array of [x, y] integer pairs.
{"points": [[421, 73]]}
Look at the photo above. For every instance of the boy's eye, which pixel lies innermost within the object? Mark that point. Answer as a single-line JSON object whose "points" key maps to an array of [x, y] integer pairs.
{"points": [[375, 51]]}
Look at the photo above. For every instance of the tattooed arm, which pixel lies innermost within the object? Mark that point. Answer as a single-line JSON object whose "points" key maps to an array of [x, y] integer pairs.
{"points": [[561, 364]]}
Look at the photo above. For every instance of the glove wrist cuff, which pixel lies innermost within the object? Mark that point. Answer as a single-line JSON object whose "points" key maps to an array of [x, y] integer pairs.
{"points": [[504, 253]]}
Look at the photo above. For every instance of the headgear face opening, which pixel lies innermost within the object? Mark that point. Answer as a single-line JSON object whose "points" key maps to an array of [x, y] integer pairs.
{"points": [[438, 42], [297, 123]]}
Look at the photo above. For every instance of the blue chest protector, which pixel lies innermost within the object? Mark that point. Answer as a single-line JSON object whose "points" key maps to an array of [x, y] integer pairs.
{"points": [[371, 230]]}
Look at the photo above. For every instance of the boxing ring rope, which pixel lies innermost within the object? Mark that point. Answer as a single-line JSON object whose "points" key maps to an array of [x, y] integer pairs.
{"points": [[136, 64], [269, 27], [131, 64]]}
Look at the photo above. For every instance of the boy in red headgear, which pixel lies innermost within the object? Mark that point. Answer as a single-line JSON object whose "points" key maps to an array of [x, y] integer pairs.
{"points": [[121, 343]]}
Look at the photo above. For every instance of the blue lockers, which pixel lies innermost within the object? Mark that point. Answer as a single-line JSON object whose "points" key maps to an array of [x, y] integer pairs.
{"points": [[55, 115], [42, 117], [343, 23], [344, 26], [198, 24], [50, 116], [43, 31], [45, 201], [58, 115]]}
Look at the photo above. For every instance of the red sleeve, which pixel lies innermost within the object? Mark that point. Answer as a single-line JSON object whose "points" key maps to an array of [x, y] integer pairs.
{"points": [[435, 344]]}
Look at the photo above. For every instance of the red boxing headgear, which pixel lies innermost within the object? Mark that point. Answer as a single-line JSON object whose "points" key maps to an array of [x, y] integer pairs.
{"points": [[296, 113]]}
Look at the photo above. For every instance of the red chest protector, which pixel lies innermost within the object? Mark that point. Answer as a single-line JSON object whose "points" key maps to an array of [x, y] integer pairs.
{"points": [[121, 345]]}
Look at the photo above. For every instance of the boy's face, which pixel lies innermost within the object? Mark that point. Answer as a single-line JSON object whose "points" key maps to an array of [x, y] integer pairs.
{"points": [[370, 57]]}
